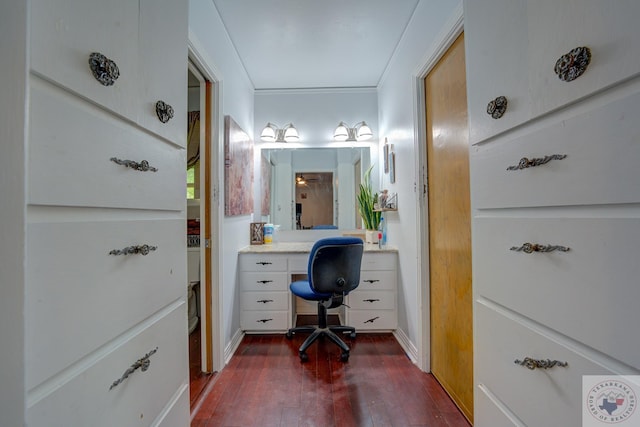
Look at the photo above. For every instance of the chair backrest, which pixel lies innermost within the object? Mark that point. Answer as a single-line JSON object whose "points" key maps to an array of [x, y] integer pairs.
{"points": [[334, 264]]}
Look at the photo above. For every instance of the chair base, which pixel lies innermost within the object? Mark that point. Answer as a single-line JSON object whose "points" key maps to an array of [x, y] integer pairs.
{"points": [[329, 332]]}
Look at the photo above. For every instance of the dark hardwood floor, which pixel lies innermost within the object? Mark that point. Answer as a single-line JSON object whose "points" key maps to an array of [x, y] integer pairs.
{"points": [[265, 384], [198, 380]]}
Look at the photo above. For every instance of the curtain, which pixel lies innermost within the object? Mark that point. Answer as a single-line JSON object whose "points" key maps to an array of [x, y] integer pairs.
{"points": [[193, 138]]}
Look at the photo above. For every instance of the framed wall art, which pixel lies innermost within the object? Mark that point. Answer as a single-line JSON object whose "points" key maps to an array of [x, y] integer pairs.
{"points": [[238, 170]]}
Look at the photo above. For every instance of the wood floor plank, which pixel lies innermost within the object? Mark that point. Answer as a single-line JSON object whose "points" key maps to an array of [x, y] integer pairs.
{"points": [[266, 385]]}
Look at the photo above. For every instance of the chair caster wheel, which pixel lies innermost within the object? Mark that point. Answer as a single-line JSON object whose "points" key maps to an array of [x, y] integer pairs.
{"points": [[344, 357], [303, 357], [352, 335], [289, 335]]}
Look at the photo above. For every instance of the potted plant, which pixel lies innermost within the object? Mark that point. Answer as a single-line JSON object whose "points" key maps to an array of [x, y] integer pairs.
{"points": [[366, 201]]}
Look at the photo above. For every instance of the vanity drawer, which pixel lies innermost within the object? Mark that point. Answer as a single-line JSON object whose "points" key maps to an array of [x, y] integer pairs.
{"points": [[70, 158], [371, 300], [86, 398], [264, 320], [377, 280], [265, 300], [486, 411], [259, 262], [602, 149], [372, 320], [581, 293], [80, 296], [268, 281], [551, 397], [378, 261]]}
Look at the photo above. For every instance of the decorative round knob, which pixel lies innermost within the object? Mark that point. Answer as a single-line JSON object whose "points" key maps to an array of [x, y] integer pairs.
{"points": [[497, 107], [573, 64], [104, 69]]}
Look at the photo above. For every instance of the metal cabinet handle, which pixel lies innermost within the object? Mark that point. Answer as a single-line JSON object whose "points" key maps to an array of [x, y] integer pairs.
{"points": [[373, 319], [530, 363], [264, 263], [142, 166], [534, 247], [537, 161], [371, 280], [264, 301], [264, 320], [497, 107], [164, 111], [372, 300], [104, 69], [264, 282], [143, 364], [137, 249]]}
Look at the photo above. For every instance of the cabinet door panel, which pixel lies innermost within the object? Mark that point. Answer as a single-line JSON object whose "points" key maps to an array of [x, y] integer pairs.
{"points": [[65, 32]]}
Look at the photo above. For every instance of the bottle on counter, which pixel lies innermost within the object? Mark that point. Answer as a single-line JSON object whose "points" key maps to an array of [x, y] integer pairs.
{"points": [[382, 233]]}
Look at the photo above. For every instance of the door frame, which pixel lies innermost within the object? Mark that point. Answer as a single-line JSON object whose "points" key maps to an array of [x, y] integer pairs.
{"points": [[213, 357], [452, 29]]}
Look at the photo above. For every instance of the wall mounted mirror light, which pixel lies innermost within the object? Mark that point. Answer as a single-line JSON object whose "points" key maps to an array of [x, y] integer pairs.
{"points": [[360, 132], [272, 133]]}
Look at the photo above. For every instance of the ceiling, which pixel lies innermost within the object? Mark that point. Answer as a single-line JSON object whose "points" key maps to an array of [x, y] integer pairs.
{"points": [[292, 44]]}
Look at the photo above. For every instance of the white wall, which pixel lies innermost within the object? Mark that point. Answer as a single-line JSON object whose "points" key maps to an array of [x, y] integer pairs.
{"points": [[399, 122], [13, 69], [208, 35]]}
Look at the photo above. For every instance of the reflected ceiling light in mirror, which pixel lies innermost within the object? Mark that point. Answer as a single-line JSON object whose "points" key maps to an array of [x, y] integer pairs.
{"points": [[272, 133], [360, 132]]}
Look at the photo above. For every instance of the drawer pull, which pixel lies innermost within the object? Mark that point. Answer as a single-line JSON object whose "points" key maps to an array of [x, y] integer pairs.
{"points": [[142, 364], [137, 249], [264, 320], [540, 363], [264, 301], [264, 263], [104, 69], [534, 247], [143, 166], [371, 280], [497, 107], [537, 161], [373, 319], [573, 64], [371, 300], [264, 282], [164, 111]]}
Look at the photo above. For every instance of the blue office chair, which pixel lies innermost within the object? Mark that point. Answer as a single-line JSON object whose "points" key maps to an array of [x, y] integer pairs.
{"points": [[333, 272]]}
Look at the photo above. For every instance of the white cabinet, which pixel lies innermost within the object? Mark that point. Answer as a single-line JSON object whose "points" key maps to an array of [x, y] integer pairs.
{"points": [[555, 263], [267, 305], [106, 279]]}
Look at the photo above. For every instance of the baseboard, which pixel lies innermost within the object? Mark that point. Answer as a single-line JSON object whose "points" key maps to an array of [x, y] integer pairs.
{"points": [[233, 345], [406, 344]]}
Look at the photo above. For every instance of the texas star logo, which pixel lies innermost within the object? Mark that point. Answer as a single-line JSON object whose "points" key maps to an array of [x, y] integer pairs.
{"points": [[611, 401]]}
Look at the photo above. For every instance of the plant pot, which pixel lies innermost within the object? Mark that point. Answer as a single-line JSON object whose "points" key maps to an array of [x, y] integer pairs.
{"points": [[371, 236]]}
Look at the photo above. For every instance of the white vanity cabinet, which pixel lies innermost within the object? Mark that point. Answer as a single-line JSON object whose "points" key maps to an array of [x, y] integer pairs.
{"points": [[267, 305], [105, 287], [554, 206]]}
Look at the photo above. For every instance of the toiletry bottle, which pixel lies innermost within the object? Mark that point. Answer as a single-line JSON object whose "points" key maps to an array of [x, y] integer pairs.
{"points": [[382, 233]]}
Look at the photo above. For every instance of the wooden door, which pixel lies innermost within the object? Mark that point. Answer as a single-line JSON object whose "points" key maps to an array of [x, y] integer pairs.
{"points": [[450, 227]]}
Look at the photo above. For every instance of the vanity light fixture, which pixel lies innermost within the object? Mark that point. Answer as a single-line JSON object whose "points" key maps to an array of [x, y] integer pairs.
{"points": [[360, 132], [272, 133]]}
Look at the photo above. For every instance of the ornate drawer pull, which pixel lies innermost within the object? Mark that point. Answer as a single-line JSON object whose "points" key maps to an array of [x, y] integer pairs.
{"points": [[264, 282], [104, 69], [497, 107], [164, 111], [534, 247], [371, 280], [264, 320], [529, 163], [372, 319], [138, 249], [264, 301], [540, 363], [371, 300], [573, 64], [142, 363], [263, 263], [143, 166]]}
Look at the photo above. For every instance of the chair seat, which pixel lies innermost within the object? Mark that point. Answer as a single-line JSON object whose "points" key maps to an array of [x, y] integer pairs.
{"points": [[302, 288]]}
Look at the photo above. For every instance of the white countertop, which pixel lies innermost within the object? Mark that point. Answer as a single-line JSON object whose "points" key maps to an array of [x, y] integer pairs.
{"points": [[303, 247]]}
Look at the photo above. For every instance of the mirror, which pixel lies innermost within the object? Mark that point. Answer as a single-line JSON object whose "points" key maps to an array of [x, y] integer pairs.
{"points": [[326, 199]]}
